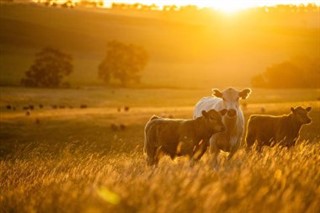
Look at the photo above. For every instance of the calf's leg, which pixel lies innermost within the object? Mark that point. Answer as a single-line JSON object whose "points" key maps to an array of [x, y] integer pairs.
{"points": [[250, 139]]}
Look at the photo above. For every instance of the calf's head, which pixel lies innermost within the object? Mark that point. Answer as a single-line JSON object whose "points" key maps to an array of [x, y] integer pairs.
{"points": [[231, 98], [301, 115], [213, 120]]}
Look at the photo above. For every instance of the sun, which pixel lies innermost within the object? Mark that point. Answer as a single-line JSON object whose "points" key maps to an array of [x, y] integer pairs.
{"points": [[229, 6]]}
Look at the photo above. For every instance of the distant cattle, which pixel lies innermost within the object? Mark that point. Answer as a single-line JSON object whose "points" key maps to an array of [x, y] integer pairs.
{"points": [[177, 137], [122, 127], [83, 106], [229, 140], [114, 127], [269, 130], [126, 108], [9, 107]]}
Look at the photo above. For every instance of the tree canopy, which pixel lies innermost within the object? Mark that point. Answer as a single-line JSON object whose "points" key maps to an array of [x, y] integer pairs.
{"points": [[299, 72], [49, 68], [123, 63]]}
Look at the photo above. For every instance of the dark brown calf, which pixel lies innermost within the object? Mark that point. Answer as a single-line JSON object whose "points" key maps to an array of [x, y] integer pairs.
{"points": [[177, 137], [269, 130]]}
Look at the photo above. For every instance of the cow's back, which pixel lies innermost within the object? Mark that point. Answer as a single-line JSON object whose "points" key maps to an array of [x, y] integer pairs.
{"points": [[264, 127], [206, 103]]}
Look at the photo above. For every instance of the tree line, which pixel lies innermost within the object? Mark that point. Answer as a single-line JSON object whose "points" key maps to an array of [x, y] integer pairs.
{"points": [[281, 8], [122, 65], [299, 72]]}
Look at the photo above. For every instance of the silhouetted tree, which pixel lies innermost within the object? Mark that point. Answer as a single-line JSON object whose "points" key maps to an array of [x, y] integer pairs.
{"points": [[48, 69], [122, 62], [300, 72]]}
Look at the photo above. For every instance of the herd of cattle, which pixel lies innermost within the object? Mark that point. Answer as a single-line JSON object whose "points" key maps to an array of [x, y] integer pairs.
{"points": [[218, 122]]}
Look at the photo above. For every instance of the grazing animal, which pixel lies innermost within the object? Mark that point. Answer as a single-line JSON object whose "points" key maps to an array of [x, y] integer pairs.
{"points": [[122, 127], [83, 106], [9, 107], [114, 127], [229, 140], [126, 108], [269, 130], [178, 137]]}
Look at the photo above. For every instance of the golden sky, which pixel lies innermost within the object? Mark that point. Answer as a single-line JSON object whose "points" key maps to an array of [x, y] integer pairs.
{"points": [[224, 5]]}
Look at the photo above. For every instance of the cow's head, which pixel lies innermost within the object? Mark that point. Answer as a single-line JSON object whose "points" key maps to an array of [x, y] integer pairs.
{"points": [[301, 115], [214, 120], [231, 98]]}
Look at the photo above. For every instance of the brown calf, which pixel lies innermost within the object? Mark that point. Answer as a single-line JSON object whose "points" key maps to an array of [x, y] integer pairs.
{"points": [[178, 137], [269, 130]]}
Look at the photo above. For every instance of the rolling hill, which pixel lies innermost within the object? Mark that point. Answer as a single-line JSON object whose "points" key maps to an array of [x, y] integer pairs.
{"points": [[186, 50]]}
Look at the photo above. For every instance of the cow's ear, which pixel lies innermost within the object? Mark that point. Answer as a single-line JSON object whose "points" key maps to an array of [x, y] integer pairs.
{"points": [[292, 109], [217, 93], [308, 109], [245, 93], [223, 112], [204, 113]]}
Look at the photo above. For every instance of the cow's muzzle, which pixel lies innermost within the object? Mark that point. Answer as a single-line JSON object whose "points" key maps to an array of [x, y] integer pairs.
{"points": [[231, 113]]}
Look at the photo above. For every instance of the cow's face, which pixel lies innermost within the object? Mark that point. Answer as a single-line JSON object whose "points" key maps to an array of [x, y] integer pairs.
{"points": [[231, 98], [301, 115], [214, 120]]}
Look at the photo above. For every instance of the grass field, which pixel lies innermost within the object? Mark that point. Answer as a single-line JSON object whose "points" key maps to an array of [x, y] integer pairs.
{"points": [[70, 160]]}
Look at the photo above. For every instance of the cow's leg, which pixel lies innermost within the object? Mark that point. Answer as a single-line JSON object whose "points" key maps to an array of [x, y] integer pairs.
{"points": [[151, 156], [199, 151], [250, 139], [214, 149], [158, 154], [235, 144], [259, 145]]}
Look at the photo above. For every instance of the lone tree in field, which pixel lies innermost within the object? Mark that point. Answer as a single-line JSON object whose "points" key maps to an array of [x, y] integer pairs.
{"points": [[48, 69], [123, 62]]}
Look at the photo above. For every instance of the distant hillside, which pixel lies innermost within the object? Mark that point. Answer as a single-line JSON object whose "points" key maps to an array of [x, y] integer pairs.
{"points": [[185, 50]]}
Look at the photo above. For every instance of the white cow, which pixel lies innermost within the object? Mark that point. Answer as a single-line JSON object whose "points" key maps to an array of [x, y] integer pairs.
{"points": [[229, 140]]}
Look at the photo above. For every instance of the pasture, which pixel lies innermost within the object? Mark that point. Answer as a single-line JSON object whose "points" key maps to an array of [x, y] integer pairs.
{"points": [[70, 159]]}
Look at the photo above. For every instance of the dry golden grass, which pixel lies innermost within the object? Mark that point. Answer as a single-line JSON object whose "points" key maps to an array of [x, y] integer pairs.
{"points": [[75, 180]]}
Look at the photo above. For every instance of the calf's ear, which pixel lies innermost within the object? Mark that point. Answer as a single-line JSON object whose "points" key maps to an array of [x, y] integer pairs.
{"points": [[204, 113], [223, 112], [217, 93], [308, 109], [292, 109], [244, 93]]}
